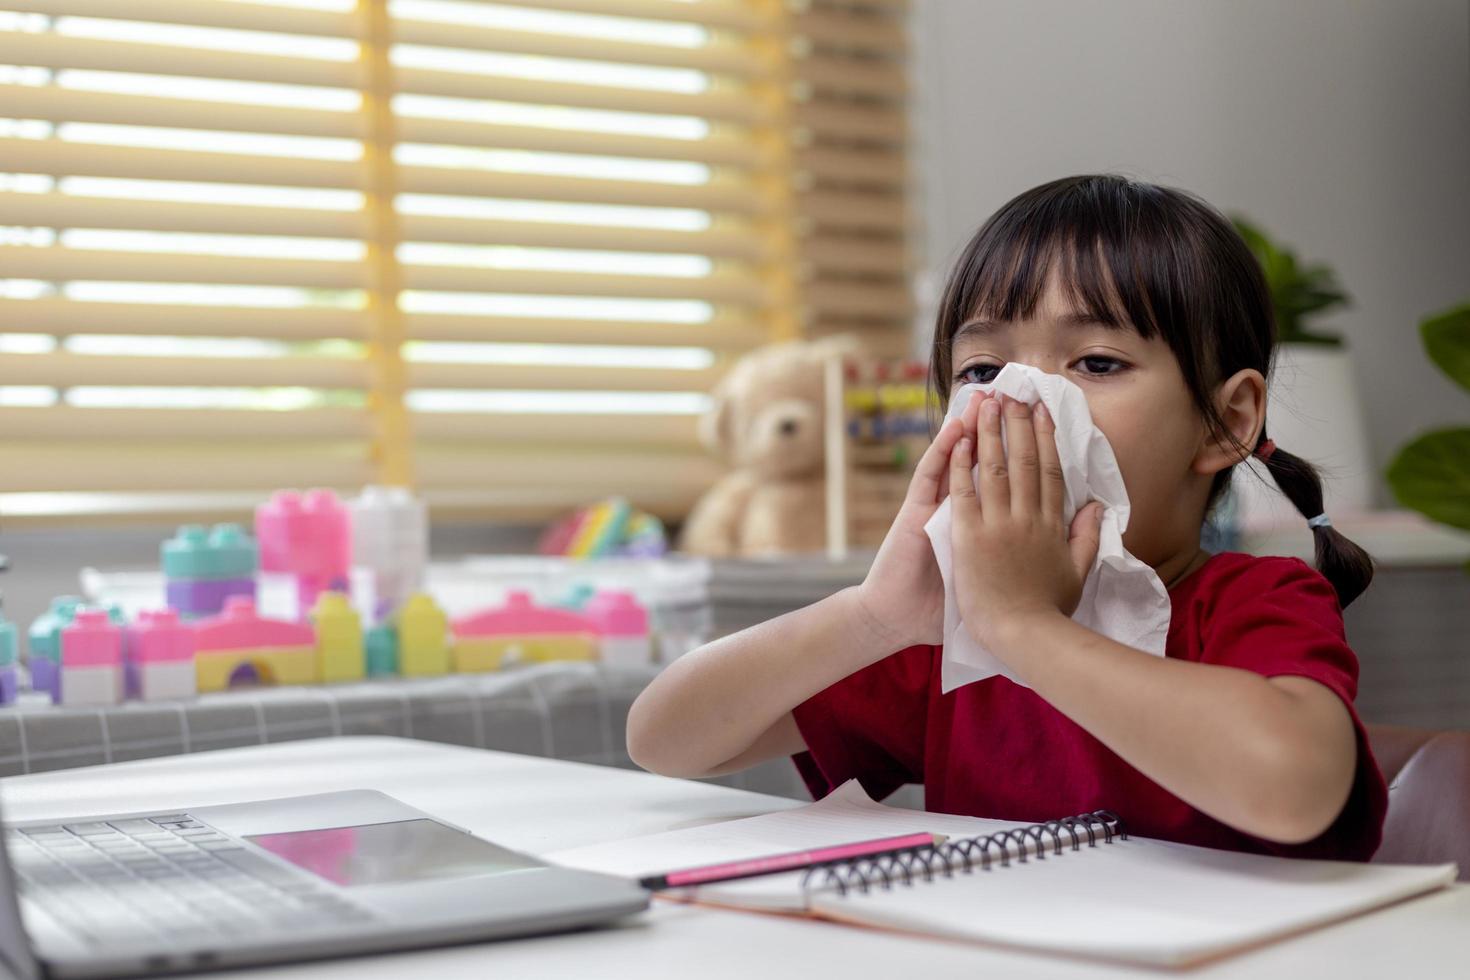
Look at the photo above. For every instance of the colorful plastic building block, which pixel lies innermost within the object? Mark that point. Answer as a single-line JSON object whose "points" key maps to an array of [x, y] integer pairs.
{"points": [[380, 650], [9, 681], [91, 659], [202, 568], [159, 657], [622, 628], [521, 631], [339, 647], [240, 647], [423, 638], [43, 640], [308, 539], [390, 547]]}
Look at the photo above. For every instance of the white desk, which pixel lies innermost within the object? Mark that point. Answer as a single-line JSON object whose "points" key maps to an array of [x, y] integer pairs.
{"points": [[541, 805]]}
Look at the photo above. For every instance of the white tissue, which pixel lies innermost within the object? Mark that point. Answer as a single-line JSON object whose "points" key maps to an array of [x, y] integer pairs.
{"points": [[1122, 598]]}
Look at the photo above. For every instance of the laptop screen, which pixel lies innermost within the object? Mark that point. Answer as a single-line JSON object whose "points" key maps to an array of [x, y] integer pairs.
{"points": [[15, 945]]}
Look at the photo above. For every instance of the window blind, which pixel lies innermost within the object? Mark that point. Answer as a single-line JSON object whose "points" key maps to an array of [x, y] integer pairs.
{"points": [[497, 252]]}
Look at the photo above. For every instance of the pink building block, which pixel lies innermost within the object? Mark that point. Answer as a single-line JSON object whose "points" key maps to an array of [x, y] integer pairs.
{"points": [[92, 640], [157, 636], [241, 647], [309, 537], [521, 631], [622, 627], [522, 617], [160, 657], [91, 660], [240, 628]]}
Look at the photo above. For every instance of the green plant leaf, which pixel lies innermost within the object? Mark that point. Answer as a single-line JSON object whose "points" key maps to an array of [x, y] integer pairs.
{"points": [[1298, 290], [1432, 475], [1447, 340]]}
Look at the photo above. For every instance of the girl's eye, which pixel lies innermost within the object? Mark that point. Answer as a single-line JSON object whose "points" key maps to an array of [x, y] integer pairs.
{"points": [[978, 374], [1100, 366]]}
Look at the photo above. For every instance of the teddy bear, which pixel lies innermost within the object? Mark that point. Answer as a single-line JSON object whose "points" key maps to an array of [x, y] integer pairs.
{"points": [[767, 418]]}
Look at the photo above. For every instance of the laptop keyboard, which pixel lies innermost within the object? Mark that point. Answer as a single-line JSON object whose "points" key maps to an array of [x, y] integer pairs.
{"points": [[168, 880]]}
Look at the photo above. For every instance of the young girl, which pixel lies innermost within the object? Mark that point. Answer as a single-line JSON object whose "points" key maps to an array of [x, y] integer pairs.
{"points": [[1243, 736]]}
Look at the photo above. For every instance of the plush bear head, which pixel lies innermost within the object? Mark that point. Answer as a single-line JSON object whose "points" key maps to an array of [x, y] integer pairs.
{"points": [[766, 415]]}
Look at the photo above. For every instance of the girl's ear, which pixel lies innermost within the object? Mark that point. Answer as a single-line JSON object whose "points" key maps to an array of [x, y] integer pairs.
{"points": [[1240, 401]]}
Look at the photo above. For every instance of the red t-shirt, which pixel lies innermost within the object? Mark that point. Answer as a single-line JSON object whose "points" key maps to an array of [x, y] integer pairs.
{"points": [[996, 749]]}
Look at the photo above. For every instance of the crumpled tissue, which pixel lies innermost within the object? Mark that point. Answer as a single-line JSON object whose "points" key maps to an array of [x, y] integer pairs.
{"points": [[1122, 597]]}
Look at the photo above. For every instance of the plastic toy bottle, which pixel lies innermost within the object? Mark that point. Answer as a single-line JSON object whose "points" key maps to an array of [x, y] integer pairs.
{"points": [[622, 628], [380, 649], [339, 646], [91, 660], [159, 657], [423, 638]]}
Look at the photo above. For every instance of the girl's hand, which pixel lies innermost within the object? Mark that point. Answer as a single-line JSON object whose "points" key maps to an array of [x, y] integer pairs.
{"points": [[902, 597], [1013, 556]]}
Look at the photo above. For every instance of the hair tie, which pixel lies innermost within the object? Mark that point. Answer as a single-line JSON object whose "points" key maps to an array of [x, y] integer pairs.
{"points": [[1321, 520], [1265, 449]]}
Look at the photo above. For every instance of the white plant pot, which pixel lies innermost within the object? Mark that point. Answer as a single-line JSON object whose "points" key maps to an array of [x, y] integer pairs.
{"points": [[1312, 411]]}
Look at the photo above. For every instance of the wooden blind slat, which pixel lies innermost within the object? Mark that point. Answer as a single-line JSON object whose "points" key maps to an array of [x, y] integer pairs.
{"points": [[61, 317], [69, 422], [59, 51], [723, 333], [65, 370], [202, 13], [63, 264], [516, 377], [719, 58], [114, 108]]}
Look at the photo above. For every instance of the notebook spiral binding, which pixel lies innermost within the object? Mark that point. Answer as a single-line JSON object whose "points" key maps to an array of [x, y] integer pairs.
{"points": [[963, 855]]}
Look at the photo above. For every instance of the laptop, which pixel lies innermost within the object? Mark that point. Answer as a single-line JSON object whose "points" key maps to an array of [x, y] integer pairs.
{"points": [[333, 874]]}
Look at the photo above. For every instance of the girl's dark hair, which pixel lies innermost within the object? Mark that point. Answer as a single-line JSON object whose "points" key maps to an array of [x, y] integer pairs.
{"points": [[1165, 263]]}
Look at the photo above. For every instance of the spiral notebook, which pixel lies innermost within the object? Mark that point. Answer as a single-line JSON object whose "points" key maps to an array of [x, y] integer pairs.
{"points": [[1079, 885]]}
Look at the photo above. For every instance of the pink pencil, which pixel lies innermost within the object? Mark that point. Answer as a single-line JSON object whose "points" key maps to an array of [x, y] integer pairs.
{"points": [[751, 867]]}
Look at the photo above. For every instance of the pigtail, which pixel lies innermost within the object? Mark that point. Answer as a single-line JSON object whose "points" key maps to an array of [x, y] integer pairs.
{"points": [[1348, 567]]}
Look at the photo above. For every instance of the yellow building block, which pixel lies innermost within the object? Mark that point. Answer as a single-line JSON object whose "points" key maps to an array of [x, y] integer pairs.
{"points": [[339, 650], [423, 638], [478, 654], [272, 665]]}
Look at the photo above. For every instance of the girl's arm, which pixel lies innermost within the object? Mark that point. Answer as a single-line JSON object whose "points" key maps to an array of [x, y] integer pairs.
{"points": [[1272, 757], [728, 704]]}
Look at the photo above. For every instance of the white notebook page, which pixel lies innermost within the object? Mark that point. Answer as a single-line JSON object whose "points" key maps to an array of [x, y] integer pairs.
{"points": [[1135, 900], [1138, 900], [844, 816]]}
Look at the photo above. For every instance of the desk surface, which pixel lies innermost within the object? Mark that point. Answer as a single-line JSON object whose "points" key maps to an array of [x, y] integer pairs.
{"points": [[541, 805]]}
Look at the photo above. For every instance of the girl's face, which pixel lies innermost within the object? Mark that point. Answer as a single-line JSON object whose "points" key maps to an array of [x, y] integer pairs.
{"points": [[1137, 397]]}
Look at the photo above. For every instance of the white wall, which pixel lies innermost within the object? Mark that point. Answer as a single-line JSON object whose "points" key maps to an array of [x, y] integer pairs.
{"points": [[1342, 126]]}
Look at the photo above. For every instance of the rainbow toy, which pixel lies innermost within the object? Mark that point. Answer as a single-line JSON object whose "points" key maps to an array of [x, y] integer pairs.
{"points": [[611, 527]]}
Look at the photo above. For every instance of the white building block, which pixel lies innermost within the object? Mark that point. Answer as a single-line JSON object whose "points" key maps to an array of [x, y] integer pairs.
{"points": [[167, 680], [91, 685]]}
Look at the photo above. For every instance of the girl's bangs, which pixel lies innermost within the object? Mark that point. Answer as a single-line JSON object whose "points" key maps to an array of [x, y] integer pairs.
{"points": [[1111, 269]]}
